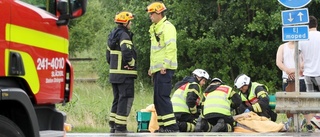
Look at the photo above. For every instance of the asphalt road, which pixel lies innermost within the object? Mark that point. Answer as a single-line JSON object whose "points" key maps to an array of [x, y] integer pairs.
{"points": [[196, 134]]}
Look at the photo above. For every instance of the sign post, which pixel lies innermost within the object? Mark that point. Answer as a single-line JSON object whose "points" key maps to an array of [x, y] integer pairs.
{"points": [[297, 16], [294, 3], [295, 33], [291, 31]]}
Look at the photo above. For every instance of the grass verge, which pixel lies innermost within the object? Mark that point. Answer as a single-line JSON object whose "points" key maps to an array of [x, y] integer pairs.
{"points": [[91, 104]]}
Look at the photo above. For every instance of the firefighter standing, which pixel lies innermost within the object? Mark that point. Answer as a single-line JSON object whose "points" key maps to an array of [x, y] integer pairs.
{"points": [[217, 102], [121, 57], [163, 63], [186, 99], [254, 97]]}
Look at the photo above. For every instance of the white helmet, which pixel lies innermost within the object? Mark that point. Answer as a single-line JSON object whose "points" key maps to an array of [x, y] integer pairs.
{"points": [[201, 73], [241, 80], [216, 80]]}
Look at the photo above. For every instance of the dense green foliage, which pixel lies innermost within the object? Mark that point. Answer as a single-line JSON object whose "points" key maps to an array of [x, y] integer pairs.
{"points": [[224, 37]]}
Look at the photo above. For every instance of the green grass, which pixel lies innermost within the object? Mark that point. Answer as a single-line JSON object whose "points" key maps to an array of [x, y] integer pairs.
{"points": [[90, 106]]}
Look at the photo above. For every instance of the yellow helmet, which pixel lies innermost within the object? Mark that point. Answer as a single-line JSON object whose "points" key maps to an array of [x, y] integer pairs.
{"points": [[156, 7], [123, 17]]}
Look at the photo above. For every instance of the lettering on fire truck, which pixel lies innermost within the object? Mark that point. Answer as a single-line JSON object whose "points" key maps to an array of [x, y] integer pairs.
{"points": [[57, 66]]}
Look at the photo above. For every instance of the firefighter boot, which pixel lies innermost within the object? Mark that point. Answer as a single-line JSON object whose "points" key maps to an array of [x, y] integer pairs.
{"points": [[186, 127], [171, 128], [229, 128], [111, 125], [121, 129], [182, 126], [219, 127], [160, 130], [202, 125]]}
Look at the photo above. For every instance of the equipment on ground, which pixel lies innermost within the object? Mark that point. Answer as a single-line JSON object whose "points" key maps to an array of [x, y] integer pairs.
{"points": [[143, 119]]}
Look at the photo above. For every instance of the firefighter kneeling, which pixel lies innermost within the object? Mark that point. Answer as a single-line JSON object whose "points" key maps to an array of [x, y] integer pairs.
{"points": [[217, 103], [254, 97], [186, 99]]}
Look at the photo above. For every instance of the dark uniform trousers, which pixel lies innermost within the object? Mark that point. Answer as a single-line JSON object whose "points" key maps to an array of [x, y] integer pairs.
{"points": [[123, 94], [186, 122], [162, 102], [228, 121]]}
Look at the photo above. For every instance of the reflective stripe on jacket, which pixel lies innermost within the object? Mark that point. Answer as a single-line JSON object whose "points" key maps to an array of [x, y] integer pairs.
{"points": [[163, 51], [179, 97], [253, 100], [218, 101], [122, 55]]}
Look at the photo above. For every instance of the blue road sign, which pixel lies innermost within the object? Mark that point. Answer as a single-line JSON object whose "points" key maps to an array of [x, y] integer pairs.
{"points": [[294, 3], [295, 33], [298, 16]]}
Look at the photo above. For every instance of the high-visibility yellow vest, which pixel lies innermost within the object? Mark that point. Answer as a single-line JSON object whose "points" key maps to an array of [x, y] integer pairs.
{"points": [[178, 98], [163, 51], [252, 98], [218, 101]]}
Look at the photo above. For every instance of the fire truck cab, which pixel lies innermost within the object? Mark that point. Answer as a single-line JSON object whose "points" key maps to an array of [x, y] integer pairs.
{"points": [[35, 73]]}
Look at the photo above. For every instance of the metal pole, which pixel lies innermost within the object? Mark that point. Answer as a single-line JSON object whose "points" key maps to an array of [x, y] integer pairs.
{"points": [[297, 84], [297, 65]]}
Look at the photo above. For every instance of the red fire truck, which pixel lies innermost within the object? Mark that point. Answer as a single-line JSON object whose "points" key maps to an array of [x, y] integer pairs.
{"points": [[35, 73]]}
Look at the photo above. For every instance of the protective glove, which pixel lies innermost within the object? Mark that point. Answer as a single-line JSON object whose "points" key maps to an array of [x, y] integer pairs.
{"points": [[241, 109], [246, 111]]}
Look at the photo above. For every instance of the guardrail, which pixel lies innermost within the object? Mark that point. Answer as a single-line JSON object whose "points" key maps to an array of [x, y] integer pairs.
{"points": [[297, 103], [82, 59], [83, 71], [87, 80]]}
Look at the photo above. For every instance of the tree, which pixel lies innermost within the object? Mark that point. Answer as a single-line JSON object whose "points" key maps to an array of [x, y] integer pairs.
{"points": [[224, 37], [86, 29]]}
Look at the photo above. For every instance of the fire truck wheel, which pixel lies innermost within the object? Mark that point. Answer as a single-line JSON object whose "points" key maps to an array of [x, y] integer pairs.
{"points": [[8, 128]]}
